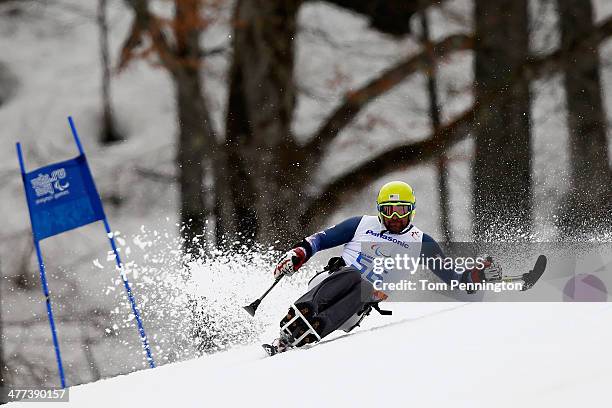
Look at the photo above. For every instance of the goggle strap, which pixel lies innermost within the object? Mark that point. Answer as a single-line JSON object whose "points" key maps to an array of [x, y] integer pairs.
{"points": [[412, 205]]}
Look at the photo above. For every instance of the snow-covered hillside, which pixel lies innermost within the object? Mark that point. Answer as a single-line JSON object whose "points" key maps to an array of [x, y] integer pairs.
{"points": [[426, 355]]}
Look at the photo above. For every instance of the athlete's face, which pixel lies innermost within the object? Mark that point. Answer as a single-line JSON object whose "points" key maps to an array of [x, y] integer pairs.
{"points": [[395, 225]]}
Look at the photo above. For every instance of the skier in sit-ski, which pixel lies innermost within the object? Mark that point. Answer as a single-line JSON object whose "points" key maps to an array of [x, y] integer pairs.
{"points": [[343, 294]]}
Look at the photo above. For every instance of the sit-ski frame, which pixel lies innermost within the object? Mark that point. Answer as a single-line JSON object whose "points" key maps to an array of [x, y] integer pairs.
{"points": [[299, 315]]}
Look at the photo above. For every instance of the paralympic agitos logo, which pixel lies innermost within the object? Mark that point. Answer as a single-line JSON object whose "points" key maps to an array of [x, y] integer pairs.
{"points": [[378, 251]]}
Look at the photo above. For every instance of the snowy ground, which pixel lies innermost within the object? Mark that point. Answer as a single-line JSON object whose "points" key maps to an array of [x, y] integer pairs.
{"points": [[426, 355]]}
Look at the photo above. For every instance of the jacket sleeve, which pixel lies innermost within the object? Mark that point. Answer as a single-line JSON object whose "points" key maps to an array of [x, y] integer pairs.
{"points": [[333, 236], [431, 249]]}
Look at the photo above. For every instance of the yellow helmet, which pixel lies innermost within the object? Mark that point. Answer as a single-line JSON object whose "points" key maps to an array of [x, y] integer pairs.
{"points": [[396, 193]]}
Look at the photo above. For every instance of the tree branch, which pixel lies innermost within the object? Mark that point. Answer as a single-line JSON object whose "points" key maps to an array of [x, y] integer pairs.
{"points": [[538, 66], [397, 158], [221, 49], [359, 99], [145, 21], [156, 175], [133, 40]]}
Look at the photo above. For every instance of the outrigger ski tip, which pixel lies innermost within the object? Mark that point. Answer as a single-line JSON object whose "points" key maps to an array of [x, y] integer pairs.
{"points": [[530, 278]]}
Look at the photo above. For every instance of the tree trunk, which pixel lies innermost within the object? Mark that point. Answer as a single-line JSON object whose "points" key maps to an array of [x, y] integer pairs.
{"points": [[589, 202], [267, 168], [434, 114], [223, 212], [108, 130], [196, 135], [502, 169], [244, 219], [196, 140]]}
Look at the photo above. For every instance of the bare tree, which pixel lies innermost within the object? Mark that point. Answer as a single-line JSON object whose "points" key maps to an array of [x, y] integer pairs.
{"points": [[182, 58], [503, 196], [589, 203], [264, 161], [434, 114], [108, 130]]}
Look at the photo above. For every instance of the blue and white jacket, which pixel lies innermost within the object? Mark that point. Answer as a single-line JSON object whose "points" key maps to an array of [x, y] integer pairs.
{"points": [[365, 238]]}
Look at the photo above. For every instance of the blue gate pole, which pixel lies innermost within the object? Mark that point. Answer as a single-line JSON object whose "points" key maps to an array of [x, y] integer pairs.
{"points": [[126, 283], [128, 290], [43, 278]]}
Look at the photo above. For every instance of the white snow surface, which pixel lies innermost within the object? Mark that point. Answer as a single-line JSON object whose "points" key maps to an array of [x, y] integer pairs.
{"points": [[425, 355]]}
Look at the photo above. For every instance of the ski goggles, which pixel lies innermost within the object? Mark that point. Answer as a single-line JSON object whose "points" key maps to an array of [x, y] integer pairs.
{"points": [[401, 210]]}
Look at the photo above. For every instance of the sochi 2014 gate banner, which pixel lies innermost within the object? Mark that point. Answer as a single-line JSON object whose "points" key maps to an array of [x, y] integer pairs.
{"points": [[61, 197]]}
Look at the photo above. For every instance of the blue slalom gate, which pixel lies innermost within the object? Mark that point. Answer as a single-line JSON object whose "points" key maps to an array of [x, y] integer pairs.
{"points": [[61, 197]]}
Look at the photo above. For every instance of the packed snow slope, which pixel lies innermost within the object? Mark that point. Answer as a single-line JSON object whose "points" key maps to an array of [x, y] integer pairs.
{"points": [[425, 355]]}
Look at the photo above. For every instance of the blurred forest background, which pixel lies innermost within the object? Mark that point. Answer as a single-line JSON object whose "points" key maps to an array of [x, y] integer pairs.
{"points": [[235, 125]]}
